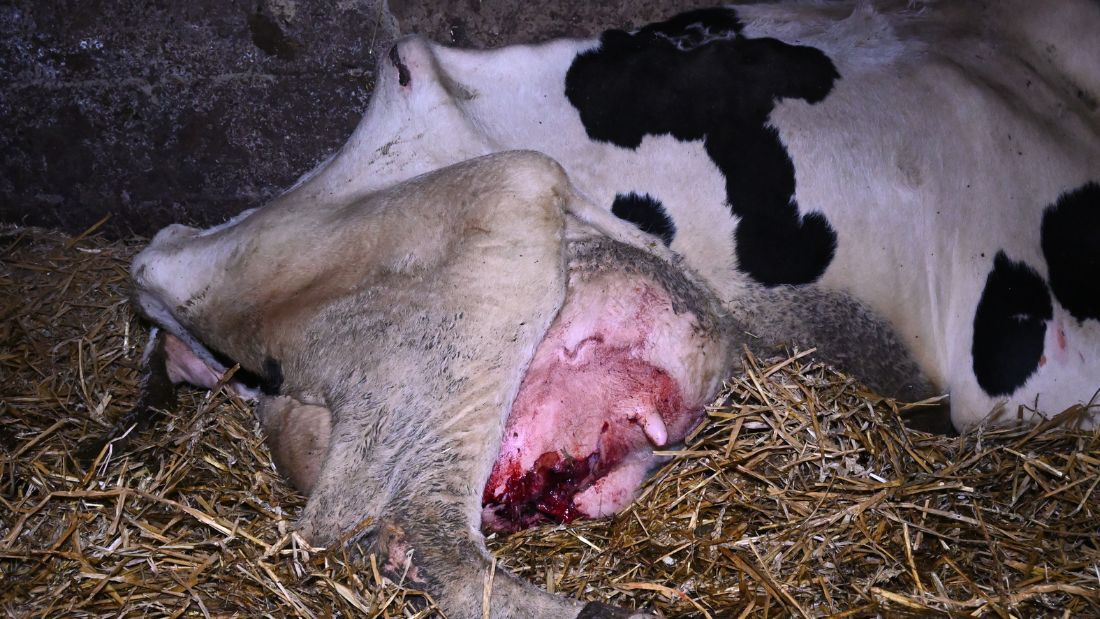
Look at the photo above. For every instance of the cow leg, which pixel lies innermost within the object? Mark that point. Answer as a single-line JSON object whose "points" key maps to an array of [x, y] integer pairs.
{"points": [[424, 519], [432, 544], [457, 564], [432, 541]]}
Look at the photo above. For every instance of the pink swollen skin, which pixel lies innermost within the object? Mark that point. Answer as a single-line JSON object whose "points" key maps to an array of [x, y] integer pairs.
{"points": [[604, 388]]}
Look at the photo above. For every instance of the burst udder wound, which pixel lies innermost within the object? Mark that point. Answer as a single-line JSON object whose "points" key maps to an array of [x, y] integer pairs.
{"points": [[600, 394]]}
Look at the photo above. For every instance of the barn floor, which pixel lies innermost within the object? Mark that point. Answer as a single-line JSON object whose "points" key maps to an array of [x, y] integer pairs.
{"points": [[802, 495]]}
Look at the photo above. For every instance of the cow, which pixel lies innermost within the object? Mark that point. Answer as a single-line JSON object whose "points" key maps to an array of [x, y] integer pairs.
{"points": [[911, 188], [938, 161], [476, 346]]}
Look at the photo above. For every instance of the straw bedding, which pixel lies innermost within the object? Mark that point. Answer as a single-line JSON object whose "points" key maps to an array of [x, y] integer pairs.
{"points": [[802, 495]]}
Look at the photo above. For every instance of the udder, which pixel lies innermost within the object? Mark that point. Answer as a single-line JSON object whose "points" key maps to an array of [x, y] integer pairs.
{"points": [[619, 373]]}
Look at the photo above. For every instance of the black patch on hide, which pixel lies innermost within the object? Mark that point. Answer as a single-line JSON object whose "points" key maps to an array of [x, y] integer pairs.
{"points": [[1071, 245], [1009, 326], [647, 213], [694, 77]]}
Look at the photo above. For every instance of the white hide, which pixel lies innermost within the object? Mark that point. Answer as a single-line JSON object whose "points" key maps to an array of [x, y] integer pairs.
{"points": [[952, 127]]}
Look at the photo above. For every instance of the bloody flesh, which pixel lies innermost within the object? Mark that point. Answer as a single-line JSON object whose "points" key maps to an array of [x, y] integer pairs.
{"points": [[544, 492], [520, 497], [617, 374]]}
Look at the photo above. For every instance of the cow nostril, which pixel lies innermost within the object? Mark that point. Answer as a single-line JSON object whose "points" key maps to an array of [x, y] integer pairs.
{"points": [[403, 76]]}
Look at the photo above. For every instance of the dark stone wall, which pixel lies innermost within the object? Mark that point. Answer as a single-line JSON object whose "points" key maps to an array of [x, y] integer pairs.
{"points": [[157, 111], [161, 110], [493, 23]]}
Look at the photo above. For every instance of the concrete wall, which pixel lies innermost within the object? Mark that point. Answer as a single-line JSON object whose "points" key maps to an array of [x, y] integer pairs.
{"points": [[158, 111]]}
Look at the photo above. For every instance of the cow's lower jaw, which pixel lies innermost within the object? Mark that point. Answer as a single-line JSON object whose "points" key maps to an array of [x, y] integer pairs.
{"points": [[625, 368]]}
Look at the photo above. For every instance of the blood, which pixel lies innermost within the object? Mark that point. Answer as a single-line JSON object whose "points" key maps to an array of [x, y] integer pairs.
{"points": [[598, 396], [545, 492], [585, 417]]}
